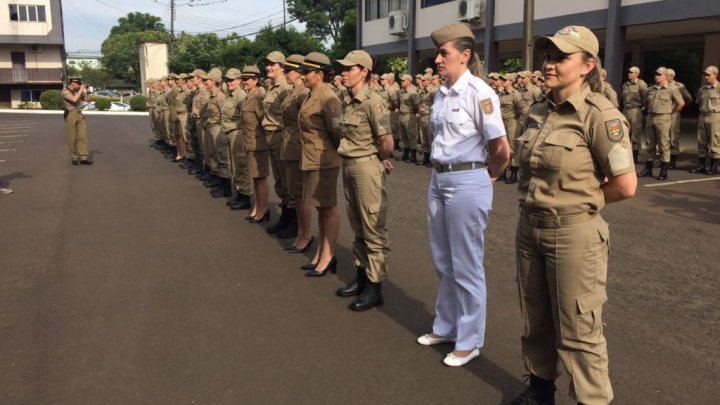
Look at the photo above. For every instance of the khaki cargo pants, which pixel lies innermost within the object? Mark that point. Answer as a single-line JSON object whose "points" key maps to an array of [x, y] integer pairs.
{"points": [[215, 138], [425, 132], [657, 138], [562, 275], [77, 137], [635, 119], [408, 131], [511, 129], [274, 143], [709, 135]]}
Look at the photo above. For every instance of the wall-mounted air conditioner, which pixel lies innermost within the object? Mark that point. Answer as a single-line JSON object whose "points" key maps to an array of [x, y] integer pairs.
{"points": [[472, 11], [398, 22]]}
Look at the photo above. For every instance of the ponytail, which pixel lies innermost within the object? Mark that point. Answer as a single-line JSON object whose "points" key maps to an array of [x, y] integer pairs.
{"points": [[474, 64], [594, 77]]}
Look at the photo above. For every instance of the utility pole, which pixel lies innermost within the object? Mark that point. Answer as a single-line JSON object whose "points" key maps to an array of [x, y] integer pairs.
{"points": [[172, 25], [284, 18], [528, 51]]}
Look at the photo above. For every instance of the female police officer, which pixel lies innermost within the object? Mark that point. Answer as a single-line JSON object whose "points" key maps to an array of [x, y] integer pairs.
{"points": [[365, 146], [465, 119], [575, 156]]}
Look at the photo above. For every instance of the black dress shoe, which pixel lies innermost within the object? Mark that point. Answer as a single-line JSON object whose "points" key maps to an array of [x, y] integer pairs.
{"points": [[331, 267], [302, 249], [75, 162], [86, 162], [370, 297], [309, 266], [264, 218], [240, 205]]}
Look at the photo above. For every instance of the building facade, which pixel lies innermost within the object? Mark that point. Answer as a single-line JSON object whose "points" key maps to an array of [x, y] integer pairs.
{"points": [[631, 32], [32, 50], [81, 60]]}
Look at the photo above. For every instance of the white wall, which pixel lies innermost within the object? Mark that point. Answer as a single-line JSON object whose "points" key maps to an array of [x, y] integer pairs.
{"points": [[153, 62], [8, 27], [49, 57]]}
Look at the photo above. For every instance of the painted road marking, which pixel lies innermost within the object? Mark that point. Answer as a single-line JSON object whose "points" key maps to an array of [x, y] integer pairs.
{"points": [[681, 182], [12, 136], [2, 143], [7, 150]]}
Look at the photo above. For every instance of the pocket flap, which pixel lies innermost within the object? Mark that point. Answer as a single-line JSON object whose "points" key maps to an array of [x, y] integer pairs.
{"points": [[592, 301], [568, 141]]}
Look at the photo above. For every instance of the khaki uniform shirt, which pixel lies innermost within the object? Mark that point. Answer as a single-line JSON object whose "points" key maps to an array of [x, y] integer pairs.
{"points": [[610, 94], [634, 93], [181, 102], [272, 105], [682, 89], [252, 116], [170, 98], [292, 138], [150, 103], [161, 102], [567, 150], [319, 119], [231, 114], [511, 103], [409, 101], [366, 119], [529, 95], [214, 107], [708, 99], [427, 97], [662, 99], [199, 102], [67, 104]]}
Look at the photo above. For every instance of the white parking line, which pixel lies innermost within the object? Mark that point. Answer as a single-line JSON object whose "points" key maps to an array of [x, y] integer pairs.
{"points": [[12, 136], [4, 142], [681, 182], [7, 150], [13, 131]]}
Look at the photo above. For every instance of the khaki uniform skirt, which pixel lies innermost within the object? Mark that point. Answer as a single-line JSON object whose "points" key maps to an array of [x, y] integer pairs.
{"points": [[294, 178], [258, 163], [320, 187]]}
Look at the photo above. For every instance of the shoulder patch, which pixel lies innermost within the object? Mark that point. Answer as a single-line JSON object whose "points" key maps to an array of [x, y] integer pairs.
{"points": [[614, 130], [378, 107], [487, 106]]}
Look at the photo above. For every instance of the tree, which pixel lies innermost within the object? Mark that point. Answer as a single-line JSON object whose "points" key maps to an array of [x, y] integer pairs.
{"points": [[195, 51], [323, 18], [95, 77], [138, 22], [346, 42], [120, 53], [285, 40]]}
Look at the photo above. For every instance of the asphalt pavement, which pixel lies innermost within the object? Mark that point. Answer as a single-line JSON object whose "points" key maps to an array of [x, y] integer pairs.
{"points": [[126, 283]]}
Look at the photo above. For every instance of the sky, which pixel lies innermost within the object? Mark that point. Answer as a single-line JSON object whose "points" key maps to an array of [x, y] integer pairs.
{"points": [[87, 22]]}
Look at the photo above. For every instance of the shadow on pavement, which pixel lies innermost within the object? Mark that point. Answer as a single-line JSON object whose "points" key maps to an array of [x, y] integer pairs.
{"points": [[5, 180], [690, 205]]}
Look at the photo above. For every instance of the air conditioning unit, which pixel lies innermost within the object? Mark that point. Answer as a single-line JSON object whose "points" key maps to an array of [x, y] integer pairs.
{"points": [[398, 22], [36, 48], [472, 11]]}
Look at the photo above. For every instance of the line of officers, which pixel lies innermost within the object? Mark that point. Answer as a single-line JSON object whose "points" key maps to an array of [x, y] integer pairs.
{"points": [[652, 111]]}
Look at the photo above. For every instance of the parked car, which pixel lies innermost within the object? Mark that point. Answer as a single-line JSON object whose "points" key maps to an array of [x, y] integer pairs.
{"points": [[105, 93], [114, 106]]}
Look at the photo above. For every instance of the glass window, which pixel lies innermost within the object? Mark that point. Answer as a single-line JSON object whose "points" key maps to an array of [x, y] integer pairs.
{"points": [[41, 13], [430, 3], [19, 12], [32, 13], [23, 13], [14, 13]]}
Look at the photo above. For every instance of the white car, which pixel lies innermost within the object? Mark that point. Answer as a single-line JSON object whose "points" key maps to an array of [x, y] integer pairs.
{"points": [[114, 106]]}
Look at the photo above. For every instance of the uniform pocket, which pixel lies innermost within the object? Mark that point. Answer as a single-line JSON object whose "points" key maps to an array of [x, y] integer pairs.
{"points": [[588, 322], [556, 148]]}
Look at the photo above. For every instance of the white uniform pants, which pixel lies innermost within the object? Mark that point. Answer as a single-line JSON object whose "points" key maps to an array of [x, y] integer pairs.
{"points": [[459, 204]]}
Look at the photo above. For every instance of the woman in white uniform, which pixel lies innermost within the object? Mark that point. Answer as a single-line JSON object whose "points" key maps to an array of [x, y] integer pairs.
{"points": [[465, 119]]}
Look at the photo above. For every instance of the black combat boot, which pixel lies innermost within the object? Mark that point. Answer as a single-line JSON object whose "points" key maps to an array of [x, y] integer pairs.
{"points": [[354, 287], [213, 181], [700, 168], [412, 156], [426, 160], [647, 171], [713, 167], [241, 202], [539, 392], [513, 176], [673, 162], [291, 230], [635, 156], [282, 222], [223, 189], [405, 154], [371, 296], [663, 171], [502, 176], [421, 162]]}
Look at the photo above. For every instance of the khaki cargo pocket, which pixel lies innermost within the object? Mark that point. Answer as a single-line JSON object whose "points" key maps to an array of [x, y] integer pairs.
{"points": [[556, 148], [588, 322]]}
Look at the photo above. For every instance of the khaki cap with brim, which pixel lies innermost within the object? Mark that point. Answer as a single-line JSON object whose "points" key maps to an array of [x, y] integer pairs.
{"points": [[406, 77], [251, 71], [337, 77], [293, 61], [571, 39], [670, 72], [391, 75], [75, 79], [451, 32], [197, 72], [315, 60], [662, 70], [384, 76], [172, 76], [537, 73], [276, 57], [357, 57], [509, 76], [233, 73], [525, 73], [182, 76], [713, 70], [493, 75], [214, 74], [427, 76], [634, 69]]}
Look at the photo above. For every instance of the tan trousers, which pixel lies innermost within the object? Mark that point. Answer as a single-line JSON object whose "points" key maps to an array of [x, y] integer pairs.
{"points": [[657, 137], [675, 133], [153, 120], [425, 133], [562, 275], [395, 126], [635, 119], [277, 165], [169, 129], [243, 183], [76, 131], [220, 163], [367, 202], [709, 135], [408, 131], [209, 143], [180, 128], [511, 129], [200, 134]]}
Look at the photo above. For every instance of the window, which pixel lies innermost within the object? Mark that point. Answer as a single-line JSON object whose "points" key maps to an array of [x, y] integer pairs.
{"points": [[430, 3], [32, 13], [30, 95], [375, 9]]}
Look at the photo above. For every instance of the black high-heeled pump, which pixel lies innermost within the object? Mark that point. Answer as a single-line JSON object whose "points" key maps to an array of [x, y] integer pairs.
{"points": [[331, 267], [302, 249], [249, 217], [309, 266], [265, 217]]}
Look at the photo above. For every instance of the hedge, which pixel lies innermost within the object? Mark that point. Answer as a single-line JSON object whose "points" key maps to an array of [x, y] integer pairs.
{"points": [[138, 103], [51, 100], [102, 103]]}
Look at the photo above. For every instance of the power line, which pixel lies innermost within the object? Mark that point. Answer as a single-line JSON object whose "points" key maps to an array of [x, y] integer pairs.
{"points": [[237, 26]]}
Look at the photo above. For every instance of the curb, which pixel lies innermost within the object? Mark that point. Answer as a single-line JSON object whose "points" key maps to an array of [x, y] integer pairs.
{"points": [[59, 112]]}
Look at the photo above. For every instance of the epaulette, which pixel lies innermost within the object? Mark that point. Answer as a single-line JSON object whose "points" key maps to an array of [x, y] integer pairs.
{"points": [[599, 101]]}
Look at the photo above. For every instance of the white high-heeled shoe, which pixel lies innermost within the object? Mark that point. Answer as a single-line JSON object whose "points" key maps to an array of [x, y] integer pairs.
{"points": [[454, 361], [429, 340]]}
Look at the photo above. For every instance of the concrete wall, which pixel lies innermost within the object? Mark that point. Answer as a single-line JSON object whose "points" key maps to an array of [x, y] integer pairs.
{"points": [[153, 62], [50, 56], [28, 32]]}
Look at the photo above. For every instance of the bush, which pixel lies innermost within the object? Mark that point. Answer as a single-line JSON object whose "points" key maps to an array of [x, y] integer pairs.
{"points": [[102, 103], [51, 100], [138, 103]]}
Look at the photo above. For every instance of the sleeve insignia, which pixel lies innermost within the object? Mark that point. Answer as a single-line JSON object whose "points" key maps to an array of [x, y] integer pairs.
{"points": [[378, 108], [487, 106], [614, 130]]}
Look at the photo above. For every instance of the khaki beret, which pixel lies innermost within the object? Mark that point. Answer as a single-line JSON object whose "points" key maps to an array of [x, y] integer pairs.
{"points": [[712, 70], [251, 71], [357, 57], [571, 39], [233, 73], [634, 69], [275, 57], [406, 77], [451, 32], [293, 61], [662, 70]]}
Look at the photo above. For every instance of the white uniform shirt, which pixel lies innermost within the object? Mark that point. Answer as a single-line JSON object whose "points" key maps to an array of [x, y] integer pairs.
{"points": [[464, 118]]}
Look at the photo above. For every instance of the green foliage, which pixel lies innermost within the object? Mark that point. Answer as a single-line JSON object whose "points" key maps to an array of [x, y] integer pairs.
{"points": [[120, 53], [102, 103], [98, 78], [323, 18], [25, 105], [511, 65], [399, 66], [195, 51], [138, 103], [51, 100], [285, 40], [138, 22], [238, 52], [346, 42]]}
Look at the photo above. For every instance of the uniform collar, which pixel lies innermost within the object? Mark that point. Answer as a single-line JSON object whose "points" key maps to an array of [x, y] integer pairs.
{"points": [[280, 81], [362, 96], [459, 85], [577, 100]]}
